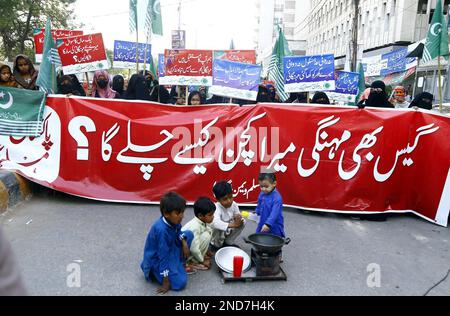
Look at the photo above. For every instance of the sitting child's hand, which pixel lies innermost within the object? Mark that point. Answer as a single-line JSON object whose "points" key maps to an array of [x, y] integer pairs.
{"points": [[165, 287], [265, 229]]}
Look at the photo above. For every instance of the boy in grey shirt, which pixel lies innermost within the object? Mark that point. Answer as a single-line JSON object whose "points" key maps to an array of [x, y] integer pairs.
{"points": [[228, 223]]}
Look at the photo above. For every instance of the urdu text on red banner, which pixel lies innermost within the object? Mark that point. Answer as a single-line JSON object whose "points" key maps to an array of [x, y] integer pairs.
{"points": [[327, 158]]}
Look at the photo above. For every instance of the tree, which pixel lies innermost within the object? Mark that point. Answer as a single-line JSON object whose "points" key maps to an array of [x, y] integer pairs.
{"points": [[20, 17]]}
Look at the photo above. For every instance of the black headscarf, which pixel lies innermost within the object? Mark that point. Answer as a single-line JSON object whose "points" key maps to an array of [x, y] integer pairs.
{"points": [[320, 98], [70, 84], [118, 85], [137, 89], [377, 99], [263, 95], [423, 100]]}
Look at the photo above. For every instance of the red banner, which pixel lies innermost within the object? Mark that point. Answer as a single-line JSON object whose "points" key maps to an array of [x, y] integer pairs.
{"points": [[57, 34], [327, 158], [82, 53], [188, 67], [240, 56]]}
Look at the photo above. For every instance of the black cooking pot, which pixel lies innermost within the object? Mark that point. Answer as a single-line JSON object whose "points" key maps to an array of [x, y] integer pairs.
{"points": [[267, 243]]}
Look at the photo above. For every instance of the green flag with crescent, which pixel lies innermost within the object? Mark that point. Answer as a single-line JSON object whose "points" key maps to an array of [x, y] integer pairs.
{"points": [[437, 38], [21, 112]]}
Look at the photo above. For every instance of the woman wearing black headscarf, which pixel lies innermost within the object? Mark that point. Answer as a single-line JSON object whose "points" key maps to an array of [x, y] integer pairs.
{"points": [[70, 85], [378, 97], [118, 85], [137, 89], [320, 98], [423, 100]]}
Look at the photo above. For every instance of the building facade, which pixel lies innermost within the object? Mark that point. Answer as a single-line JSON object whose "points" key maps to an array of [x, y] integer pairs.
{"points": [[328, 27], [285, 13]]}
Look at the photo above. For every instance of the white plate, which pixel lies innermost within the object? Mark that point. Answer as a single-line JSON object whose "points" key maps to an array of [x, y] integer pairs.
{"points": [[225, 258]]}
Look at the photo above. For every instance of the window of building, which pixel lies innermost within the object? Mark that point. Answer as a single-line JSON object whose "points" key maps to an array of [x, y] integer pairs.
{"points": [[422, 7], [289, 31], [289, 18], [289, 4]]}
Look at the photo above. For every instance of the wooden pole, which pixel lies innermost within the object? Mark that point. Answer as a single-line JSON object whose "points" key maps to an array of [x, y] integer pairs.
{"points": [[440, 83], [307, 97], [187, 95]]}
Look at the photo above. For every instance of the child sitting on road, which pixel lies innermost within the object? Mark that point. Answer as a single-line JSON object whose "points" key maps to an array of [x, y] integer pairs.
{"points": [[270, 206], [228, 222], [200, 258], [166, 246]]}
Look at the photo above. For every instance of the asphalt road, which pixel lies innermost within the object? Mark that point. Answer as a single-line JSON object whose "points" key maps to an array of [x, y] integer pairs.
{"points": [[55, 236]]}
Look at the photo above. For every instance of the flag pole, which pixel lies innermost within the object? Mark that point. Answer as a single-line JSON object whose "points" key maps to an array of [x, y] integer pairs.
{"points": [[149, 36], [440, 83]]}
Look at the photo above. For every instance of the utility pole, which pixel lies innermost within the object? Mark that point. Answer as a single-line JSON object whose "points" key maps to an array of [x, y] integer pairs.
{"points": [[179, 16], [355, 36]]}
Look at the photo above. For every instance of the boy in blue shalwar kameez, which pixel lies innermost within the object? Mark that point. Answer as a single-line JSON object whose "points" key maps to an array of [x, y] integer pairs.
{"points": [[270, 206], [167, 246]]}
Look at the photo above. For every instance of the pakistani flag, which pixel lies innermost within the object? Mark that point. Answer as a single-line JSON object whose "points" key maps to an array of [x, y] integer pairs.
{"points": [[21, 112], [133, 16], [437, 38], [154, 19], [50, 61], [276, 67]]}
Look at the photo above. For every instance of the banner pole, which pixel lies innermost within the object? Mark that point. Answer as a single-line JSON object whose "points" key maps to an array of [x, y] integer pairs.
{"points": [[440, 83], [307, 97], [187, 95]]}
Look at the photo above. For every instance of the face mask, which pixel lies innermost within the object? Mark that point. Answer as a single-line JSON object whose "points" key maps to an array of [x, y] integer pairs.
{"points": [[102, 83]]}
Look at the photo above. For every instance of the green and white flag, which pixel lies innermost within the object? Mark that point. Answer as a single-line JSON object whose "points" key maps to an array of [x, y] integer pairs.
{"points": [[437, 38], [21, 112], [50, 61], [276, 67], [133, 16], [154, 18], [362, 82]]}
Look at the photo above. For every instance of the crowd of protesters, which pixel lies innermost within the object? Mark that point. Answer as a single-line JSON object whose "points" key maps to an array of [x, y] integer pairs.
{"points": [[145, 87]]}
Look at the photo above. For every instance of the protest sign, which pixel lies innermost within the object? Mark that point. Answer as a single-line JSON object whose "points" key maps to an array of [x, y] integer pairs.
{"points": [[346, 87], [82, 53], [240, 56], [125, 54], [323, 160], [236, 80], [188, 67], [57, 34], [309, 73]]}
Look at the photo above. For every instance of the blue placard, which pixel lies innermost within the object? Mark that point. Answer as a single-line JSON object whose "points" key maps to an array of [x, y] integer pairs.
{"points": [[125, 53], [396, 61], [309, 73], [346, 86], [347, 82], [161, 66], [236, 80]]}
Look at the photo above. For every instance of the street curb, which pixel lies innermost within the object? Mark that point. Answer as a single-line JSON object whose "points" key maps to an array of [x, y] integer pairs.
{"points": [[13, 190]]}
